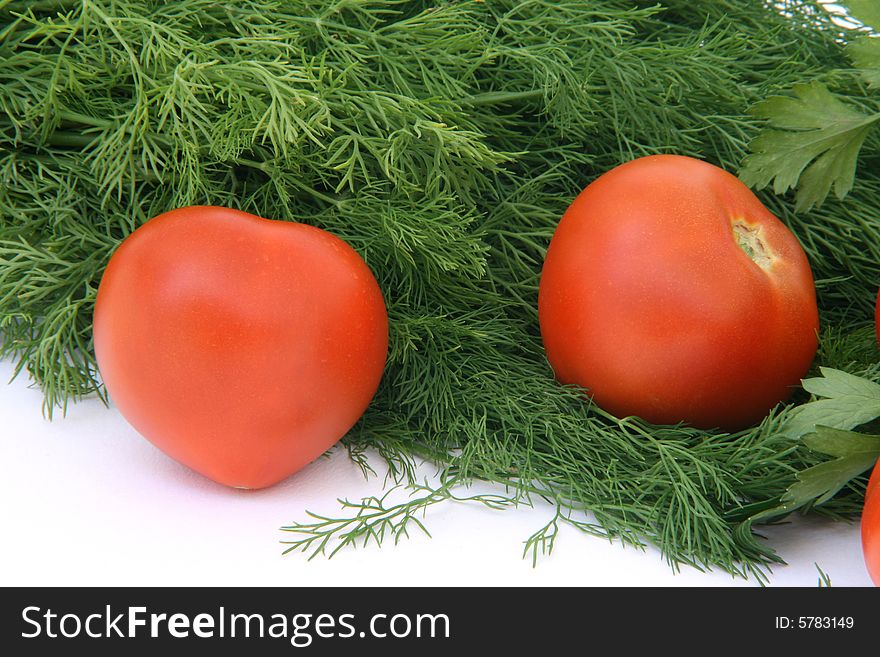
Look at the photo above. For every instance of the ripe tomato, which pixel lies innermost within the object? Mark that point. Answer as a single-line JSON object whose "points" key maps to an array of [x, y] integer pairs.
{"points": [[671, 293], [871, 526], [242, 347], [877, 316]]}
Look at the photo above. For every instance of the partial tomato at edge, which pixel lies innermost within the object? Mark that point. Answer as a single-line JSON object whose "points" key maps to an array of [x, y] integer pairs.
{"points": [[877, 316], [871, 512], [671, 293], [242, 347], [871, 526]]}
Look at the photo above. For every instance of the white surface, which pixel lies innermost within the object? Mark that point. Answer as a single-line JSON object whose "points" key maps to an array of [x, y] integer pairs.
{"points": [[87, 501]]}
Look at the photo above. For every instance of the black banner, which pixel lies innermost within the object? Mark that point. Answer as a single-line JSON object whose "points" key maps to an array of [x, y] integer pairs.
{"points": [[422, 621]]}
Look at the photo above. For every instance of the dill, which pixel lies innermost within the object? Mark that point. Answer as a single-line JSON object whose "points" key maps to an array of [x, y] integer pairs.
{"points": [[443, 140]]}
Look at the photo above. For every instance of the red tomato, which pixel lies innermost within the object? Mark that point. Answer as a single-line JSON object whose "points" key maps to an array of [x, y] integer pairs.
{"points": [[242, 347], [877, 317], [871, 526], [671, 293]]}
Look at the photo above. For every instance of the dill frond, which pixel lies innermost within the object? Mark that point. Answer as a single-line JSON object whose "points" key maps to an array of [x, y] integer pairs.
{"points": [[443, 141]]}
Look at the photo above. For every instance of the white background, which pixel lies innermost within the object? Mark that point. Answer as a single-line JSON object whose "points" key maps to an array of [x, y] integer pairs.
{"points": [[87, 501]]}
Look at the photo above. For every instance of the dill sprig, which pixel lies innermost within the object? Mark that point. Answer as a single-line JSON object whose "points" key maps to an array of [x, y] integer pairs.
{"points": [[442, 140]]}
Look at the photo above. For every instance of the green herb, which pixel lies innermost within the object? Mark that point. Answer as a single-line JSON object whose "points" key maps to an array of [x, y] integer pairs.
{"points": [[824, 578], [865, 11], [813, 139], [855, 453], [443, 141], [865, 49], [849, 401], [374, 519], [822, 425]]}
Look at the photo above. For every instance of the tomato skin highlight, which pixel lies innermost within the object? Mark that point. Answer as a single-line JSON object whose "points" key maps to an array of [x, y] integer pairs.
{"points": [[647, 300], [240, 346], [871, 526]]}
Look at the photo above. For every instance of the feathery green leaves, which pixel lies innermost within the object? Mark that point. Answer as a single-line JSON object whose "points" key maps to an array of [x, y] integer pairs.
{"points": [[443, 141]]}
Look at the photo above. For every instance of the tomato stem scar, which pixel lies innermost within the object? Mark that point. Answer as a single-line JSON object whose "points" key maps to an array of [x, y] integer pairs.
{"points": [[748, 238]]}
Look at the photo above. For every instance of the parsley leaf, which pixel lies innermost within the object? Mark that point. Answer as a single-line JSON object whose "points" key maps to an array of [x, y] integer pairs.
{"points": [[855, 452], [866, 12], [823, 425], [813, 141], [865, 50], [865, 53], [849, 401]]}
